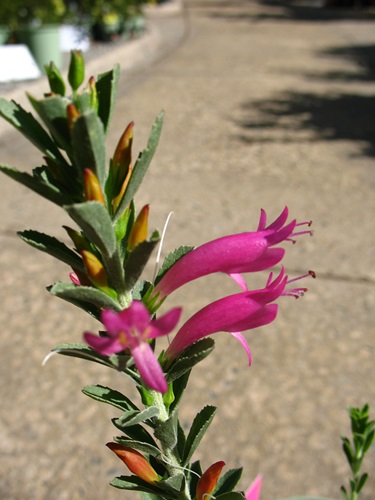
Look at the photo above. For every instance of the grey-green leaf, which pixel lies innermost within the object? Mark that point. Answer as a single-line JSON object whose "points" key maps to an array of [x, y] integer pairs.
{"points": [[190, 357], [25, 123], [109, 396], [199, 427], [37, 184], [86, 294], [82, 351], [106, 87], [137, 260], [88, 141], [52, 246], [135, 417]]}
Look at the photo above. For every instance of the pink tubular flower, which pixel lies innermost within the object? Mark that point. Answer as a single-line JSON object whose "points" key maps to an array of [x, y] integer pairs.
{"points": [[131, 329], [235, 313], [237, 253], [253, 493]]}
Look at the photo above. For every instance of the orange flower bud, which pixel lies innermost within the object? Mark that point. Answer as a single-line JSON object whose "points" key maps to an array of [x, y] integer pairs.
{"points": [[93, 189], [94, 269], [72, 113], [136, 462], [139, 231], [122, 156], [207, 483]]}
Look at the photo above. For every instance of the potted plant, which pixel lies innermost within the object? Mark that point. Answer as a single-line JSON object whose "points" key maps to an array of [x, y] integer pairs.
{"points": [[36, 23]]}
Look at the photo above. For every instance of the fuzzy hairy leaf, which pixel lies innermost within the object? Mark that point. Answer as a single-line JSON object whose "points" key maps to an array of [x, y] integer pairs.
{"points": [[52, 111], [25, 123], [133, 483], [171, 259], [140, 446], [135, 417], [83, 295], [109, 396], [37, 184], [234, 495], [228, 481], [190, 357], [137, 259], [167, 431], [198, 429], [88, 141], [106, 87], [52, 246], [82, 351]]}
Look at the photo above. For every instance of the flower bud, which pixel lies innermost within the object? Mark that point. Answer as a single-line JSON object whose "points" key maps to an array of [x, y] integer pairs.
{"points": [[208, 481], [95, 270], [55, 80], [72, 113], [136, 462], [92, 187], [139, 231], [76, 73]]}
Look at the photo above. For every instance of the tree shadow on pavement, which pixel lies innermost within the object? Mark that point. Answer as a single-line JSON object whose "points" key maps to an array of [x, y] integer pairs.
{"points": [[282, 10], [362, 56], [313, 117]]}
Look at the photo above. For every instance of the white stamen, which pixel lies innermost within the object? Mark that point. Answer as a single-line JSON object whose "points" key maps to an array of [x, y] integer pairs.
{"points": [[161, 245], [166, 461]]}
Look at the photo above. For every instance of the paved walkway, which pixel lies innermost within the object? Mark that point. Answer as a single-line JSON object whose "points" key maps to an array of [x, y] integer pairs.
{"points": [[266, 106]]}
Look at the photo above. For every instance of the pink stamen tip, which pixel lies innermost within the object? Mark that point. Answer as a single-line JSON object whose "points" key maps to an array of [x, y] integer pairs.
{"points": [[312, 274]]}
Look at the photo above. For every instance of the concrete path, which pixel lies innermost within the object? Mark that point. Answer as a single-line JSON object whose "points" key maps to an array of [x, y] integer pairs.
{"points": [[266, 106]]}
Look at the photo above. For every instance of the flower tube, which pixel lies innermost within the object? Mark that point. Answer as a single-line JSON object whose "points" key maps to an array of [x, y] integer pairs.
{"points": [[237, 253], [235, 313]]}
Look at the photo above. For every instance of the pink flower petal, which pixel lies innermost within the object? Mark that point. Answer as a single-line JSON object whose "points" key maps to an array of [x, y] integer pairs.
{"points": [[253, 493], [149, 368], [241, 339], [240, 280], [166, 323], [103, 345]]}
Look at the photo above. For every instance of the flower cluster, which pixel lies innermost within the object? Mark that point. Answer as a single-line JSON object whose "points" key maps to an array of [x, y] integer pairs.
{"points": [[134, 327]]}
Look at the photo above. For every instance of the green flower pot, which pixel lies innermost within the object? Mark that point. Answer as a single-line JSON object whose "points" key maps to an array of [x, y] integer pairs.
{"points": [[4, 34], [43, 42]]}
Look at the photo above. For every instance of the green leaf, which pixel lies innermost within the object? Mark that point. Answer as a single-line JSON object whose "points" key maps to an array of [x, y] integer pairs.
{"points": [[88, 142], [94, 220], [137, 259], [136, 433], [171, 259], [362, 482], [149, 496], [81, 295], [37, 184], [179, 386], [52, 111], [234, 495], [141, 166], [83, 352], [133, 483], [181, 439], [106, 87], [25, 123], [135, 417], [52, 246], [228, 481], [190, 357], [195, 472], [199, 427], [174, 484], [109, 396], [140, 446], [167, 431]]}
